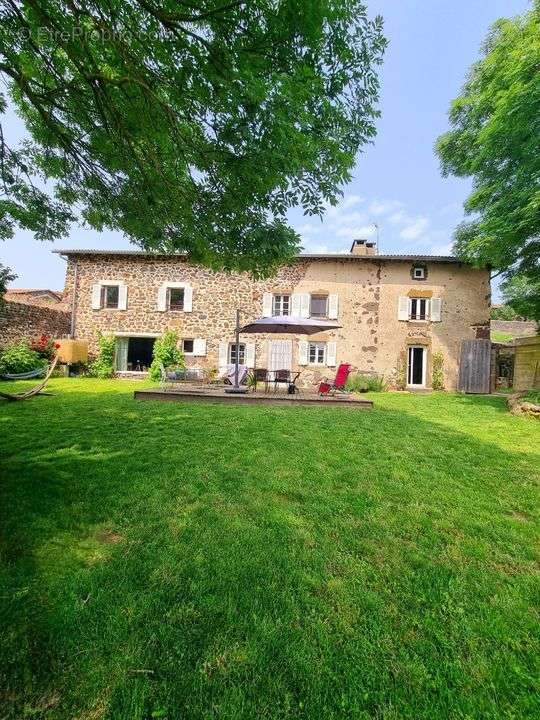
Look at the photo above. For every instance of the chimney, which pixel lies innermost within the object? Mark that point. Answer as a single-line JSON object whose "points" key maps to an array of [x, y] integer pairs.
{"points": [[363, 247]]}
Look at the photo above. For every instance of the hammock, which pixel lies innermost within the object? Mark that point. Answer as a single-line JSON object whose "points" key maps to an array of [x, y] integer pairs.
{"points": [[25, 375], [36, 390]]}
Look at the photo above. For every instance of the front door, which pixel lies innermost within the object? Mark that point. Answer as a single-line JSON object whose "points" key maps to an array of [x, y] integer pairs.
{"points": [[416, 366], [279, 356]]}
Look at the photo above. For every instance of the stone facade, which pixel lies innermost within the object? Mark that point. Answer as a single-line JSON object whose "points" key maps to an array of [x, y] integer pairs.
{"points": [[367, 289], [22, 321]]}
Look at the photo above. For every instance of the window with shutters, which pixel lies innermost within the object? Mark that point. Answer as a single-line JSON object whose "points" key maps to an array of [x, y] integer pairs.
{"points": [[175, 298], [188, 346], [241, 354], [317, 353], [318, 306], [110, 296], [418, 308], [281, 304]]}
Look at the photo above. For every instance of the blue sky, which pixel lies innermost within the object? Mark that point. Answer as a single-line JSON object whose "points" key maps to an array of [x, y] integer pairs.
{"points": [[397, 182]]}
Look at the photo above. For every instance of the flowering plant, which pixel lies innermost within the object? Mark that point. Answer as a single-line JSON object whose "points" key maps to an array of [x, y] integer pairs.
{"points": [[45, 347]]}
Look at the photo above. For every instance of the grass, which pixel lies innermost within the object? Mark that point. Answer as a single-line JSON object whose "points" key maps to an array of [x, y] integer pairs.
{"points": [[501, 336], [206, 561]]}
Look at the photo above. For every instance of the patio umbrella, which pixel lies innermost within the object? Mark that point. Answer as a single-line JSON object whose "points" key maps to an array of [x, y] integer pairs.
{"points": [[289, 324]]}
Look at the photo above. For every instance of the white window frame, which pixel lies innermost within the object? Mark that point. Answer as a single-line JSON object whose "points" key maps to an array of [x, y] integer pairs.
{"points": [[318, 295], [168, 301], [192, 340], [319, 347], [421, 276], [278, 301], [417, 300], [410, 348], [242, 355], [103, 296]]}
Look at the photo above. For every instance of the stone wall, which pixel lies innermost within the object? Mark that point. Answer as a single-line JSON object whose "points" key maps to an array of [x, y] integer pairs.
{"points": [[517, 328], [20, 321], [371, 338]]}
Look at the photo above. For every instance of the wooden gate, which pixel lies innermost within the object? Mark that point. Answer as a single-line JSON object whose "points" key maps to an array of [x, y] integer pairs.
{"points": [[474, 366]]}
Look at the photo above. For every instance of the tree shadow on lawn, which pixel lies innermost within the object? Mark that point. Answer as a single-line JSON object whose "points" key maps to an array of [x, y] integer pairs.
{"points": [[273, 561]]}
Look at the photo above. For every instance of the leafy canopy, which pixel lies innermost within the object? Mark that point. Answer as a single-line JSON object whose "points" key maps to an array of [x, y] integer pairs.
{"points": [[190, 127], [495, 140]]}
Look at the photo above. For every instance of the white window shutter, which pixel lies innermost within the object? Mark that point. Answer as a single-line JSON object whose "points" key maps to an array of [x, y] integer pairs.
{"points": [[333, 307], [162, 298], [250, 355], [223, 357], [295, 305], [304, 305], [122, 297], [303, 352], [267, 305], [188, 299], [331, 354], [96, 296], [403, 308], [436, 308], [199, 347]]}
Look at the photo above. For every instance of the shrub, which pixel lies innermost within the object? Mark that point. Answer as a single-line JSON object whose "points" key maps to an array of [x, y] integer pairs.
{"points": [[103, 366], [437, 379], [20, 358], [166, 353], [366, 383], [45, 347], [532, 396]]}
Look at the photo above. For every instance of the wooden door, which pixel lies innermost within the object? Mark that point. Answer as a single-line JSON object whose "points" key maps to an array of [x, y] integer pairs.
{"points": [[475, 366]]}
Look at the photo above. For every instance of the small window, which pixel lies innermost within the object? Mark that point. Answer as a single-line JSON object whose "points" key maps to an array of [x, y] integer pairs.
{"points": [[317, 353], [175, 298], [241, 354], [110, 295], [418, 308], [281, 304], [419, 272], [318, 306], [187, 346]]}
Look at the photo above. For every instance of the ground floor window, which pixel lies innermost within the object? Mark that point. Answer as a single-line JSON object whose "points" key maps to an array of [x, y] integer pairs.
{"points": [[241, 354], [187, 346], [317, 353], [134, 353]]}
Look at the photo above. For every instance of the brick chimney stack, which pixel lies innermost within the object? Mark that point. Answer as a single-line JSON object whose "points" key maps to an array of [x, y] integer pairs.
{"points": [[364, 247]]}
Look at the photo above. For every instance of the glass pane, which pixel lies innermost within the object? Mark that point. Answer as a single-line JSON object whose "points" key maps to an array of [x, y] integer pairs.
{"points": [[110, 299], [176, 298], [318, 305], [188, 346]]}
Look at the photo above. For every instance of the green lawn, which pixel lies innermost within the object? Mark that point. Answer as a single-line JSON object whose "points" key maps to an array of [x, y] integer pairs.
{"points": [[500, 336], [207, 561]]}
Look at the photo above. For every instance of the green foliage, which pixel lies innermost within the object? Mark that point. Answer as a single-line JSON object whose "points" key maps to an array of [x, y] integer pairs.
{"points": [[240, 562], [6, 276], [504, 312], [499, 336], [495, 140], [437, 371], [532, 396], [166, 353], [189, 126], [522, 293], [365, 383], [401, 371], [20, 358], [103, 366]]}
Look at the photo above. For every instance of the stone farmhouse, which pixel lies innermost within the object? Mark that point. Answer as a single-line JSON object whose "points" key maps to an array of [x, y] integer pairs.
{"points": [[395, 311]]}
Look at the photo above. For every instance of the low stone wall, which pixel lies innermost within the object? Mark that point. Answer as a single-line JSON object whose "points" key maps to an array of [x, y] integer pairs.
{"points": [[517, 328], [19, 321]]}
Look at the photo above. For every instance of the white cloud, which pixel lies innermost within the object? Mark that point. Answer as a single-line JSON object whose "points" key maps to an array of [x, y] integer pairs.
{"points": [[445, 249], [333, 211], [307, 229], [383, 207], [355, 232], [415, 229]]}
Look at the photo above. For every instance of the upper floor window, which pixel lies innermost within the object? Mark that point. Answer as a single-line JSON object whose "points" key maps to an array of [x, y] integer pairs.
{"points": [[318, 306], [281, 304], [419, 273], [110, 296], [241, 354], [317, 353], [175, 298], [418, 308]]}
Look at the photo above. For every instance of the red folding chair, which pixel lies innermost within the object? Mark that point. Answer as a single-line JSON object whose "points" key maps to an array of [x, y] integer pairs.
{"points": [[327, 388]]}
